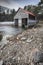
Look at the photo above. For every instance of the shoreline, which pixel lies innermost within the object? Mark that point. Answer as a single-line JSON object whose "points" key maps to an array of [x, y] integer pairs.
{"points": [[6, 24], [20, 46]]}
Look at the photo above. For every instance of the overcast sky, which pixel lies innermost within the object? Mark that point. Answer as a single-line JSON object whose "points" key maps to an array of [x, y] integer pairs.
{"points": [[18, 3]]}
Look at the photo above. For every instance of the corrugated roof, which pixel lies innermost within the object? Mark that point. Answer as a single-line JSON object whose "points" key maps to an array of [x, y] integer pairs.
{"points": [[27, 12]]}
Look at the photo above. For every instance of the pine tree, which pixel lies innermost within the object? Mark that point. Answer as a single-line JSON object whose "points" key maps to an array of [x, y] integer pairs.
{"points": [[41, 5], [41, 2]]}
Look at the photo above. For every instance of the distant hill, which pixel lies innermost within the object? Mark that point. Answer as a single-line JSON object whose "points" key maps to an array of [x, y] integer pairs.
{"points": [[5, 9]]}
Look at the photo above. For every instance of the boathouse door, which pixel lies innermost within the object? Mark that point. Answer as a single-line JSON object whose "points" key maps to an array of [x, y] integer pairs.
{"points": [[16, 22], [24, 21]]}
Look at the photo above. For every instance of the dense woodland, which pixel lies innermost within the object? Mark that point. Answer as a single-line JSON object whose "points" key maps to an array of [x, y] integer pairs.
{"points": [[33, 9], [37, 10], [7, 17]]}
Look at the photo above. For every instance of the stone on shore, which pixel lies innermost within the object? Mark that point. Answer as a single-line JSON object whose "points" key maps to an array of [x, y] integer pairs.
{"points": [[1, 62], [19, 47]]}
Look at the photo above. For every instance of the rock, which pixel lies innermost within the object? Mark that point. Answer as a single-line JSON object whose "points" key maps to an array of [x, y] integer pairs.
{"points": [[36, 56], [1, 51], [17, 38], [1, 62], [3, 46], [23, 38], [8, 52], [10, 61], [18, 59], [40, 63], [20, 35], [28, 40]]}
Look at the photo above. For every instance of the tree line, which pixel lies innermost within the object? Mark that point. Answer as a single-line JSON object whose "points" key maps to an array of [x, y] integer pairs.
{"points": [[7, 17], [34, 9], [37, 10]]}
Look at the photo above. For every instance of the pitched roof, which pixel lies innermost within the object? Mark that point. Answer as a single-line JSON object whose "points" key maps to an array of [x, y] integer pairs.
{"points": [[27, 12]]}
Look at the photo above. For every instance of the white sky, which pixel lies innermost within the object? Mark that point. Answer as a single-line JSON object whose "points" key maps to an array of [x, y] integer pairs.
{"points": [[18, 3]]}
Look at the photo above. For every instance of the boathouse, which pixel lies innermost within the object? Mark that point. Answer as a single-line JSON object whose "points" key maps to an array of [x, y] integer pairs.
{"points": [[24, 17]]}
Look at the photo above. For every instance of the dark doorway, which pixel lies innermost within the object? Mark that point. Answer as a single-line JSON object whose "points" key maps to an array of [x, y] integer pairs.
{"points": [[24, 21], [16, 22]]}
